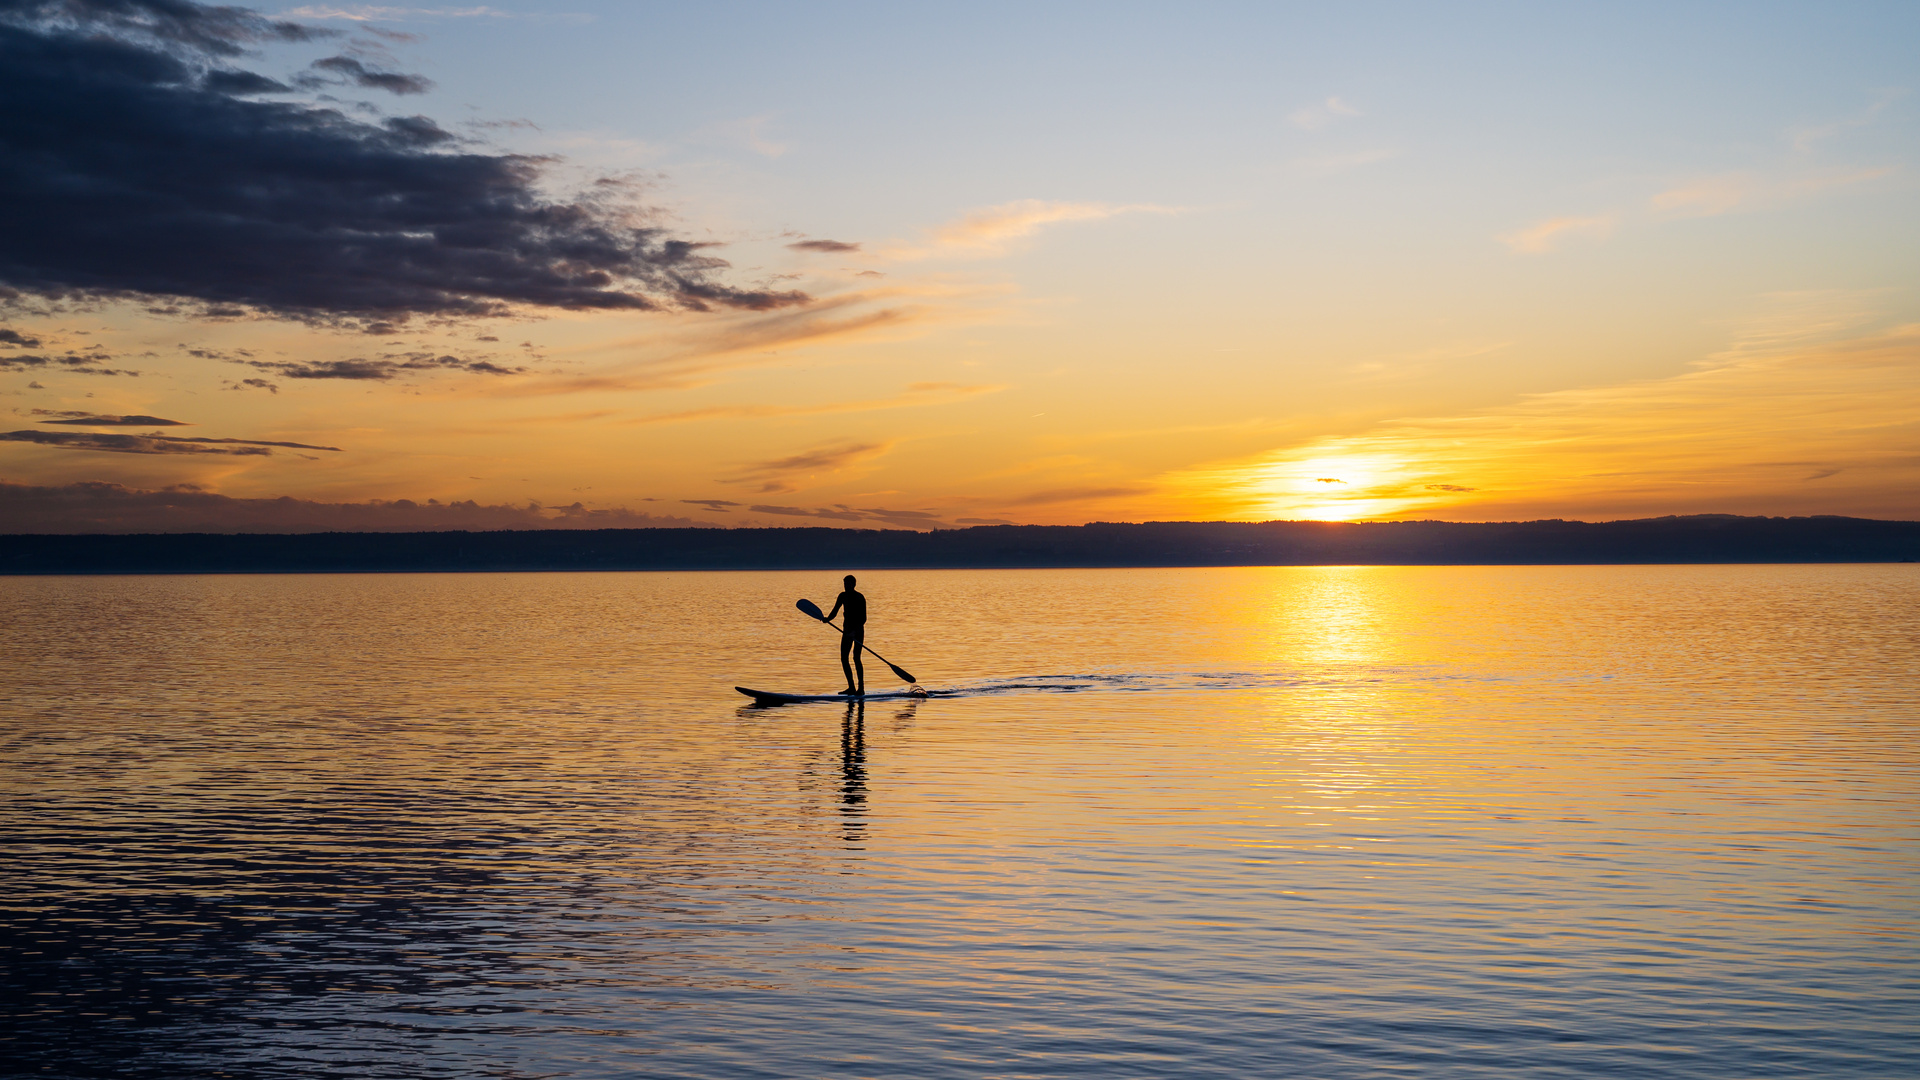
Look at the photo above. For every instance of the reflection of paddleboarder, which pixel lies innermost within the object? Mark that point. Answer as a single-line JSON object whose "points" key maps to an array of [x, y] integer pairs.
{"points": [[853, 636]]}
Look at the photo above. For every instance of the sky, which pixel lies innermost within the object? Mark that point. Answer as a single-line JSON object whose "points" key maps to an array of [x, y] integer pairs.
{"points": [[927, 266]]}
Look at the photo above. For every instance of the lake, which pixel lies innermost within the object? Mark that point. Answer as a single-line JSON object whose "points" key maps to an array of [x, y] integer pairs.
{"points": [[1633, 821]]}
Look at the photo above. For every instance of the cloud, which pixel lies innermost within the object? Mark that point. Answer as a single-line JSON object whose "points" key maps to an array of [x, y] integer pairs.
{"points": [[380, 370], [787, 510], [94, 507], [990, 231], [152, 444], [782, 474], [368, 13], [932, 393], [10, 336], [982, 521], [1786, 420], [692, 356], [824, 246], [1714, 195], [87, 419], [143, 170], [1806, 137], [718, 506], [72, 363], [1078, 494], [1320, 114], [1706, 196], [908, 519], [360, 75], [1549, 233]]}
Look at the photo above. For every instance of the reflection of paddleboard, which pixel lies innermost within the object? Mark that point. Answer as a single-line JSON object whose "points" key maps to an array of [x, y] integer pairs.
{"points": [[770, 698]]}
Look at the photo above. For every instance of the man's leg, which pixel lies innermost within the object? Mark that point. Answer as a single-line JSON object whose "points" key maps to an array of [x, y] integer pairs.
{"points": [[847, 642], [859, 641]]}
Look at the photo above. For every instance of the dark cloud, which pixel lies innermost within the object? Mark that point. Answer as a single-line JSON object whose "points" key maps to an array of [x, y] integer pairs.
{"points": [[360, 75], [152, 444], [110, 508], [824, 246], [87, 419], [377, 370], [212, 31], [911, 519], [718, 506], [982, 521], [1328, 480], [10, 336], [237, 83], [1447, 487], [143, 168], [77, 363], [795, 511]]}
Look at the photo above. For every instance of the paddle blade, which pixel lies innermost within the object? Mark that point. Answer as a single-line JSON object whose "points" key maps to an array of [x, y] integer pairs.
{"points": [[812, 609], [905, 675]]}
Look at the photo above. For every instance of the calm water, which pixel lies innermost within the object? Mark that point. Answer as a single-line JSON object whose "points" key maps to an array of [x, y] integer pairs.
{"points": [[1314, 822]]}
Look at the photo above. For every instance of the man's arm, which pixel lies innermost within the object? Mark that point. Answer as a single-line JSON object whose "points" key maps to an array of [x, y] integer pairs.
{"points": [[837, 601]]}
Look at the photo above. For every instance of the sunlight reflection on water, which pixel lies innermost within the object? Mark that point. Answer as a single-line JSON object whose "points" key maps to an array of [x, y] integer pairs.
{"points": [[1318, 821]]}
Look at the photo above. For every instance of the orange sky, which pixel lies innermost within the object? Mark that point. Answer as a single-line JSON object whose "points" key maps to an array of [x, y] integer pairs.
{"points": [[1347, 290]]}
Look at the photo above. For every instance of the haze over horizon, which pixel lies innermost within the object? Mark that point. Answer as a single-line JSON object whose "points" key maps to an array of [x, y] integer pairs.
{"points": [[752, 264]]}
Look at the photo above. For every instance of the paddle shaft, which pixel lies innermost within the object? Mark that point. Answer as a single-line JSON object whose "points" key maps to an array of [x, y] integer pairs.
{"points": [[897, 669]]}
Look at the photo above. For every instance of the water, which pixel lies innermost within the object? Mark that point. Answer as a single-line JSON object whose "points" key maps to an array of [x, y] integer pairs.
{"points": [[1317, 822]]}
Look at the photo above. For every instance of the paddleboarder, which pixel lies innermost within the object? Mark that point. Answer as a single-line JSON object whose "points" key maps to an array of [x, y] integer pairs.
{"points": [[853, 637]]}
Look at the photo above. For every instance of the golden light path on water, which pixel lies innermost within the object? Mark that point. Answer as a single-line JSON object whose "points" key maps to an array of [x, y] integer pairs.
{"points": [[1319, 821]]}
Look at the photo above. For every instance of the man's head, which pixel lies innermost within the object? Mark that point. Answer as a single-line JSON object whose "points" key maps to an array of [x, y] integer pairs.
{"points": [[849, 581]]}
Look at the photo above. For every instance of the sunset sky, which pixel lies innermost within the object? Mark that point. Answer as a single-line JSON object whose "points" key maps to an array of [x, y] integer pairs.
{"points": [[938, 265]]}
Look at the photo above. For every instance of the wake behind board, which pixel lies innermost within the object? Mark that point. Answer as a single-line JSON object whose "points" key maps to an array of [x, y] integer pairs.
{"points": [[771, 698]]}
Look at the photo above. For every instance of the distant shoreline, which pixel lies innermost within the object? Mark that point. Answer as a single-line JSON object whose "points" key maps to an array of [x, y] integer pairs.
{"points": [[1697, 539]]}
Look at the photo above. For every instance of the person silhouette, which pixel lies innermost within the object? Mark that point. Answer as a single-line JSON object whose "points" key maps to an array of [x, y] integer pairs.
{"points": [[853, 637]]}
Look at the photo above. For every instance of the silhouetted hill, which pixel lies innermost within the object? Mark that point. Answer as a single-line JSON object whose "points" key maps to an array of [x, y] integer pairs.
{"points": [[1708, 538]]}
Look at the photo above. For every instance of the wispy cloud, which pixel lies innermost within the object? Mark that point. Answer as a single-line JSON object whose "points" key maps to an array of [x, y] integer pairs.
{"points": [[364, 13], [87, 419], [382, 369], [72, 363], [681, 358], [928, 393], [789, 473], [152, 444], [1320, 114], [1053, 496], [824, 246], [1786, 420], [1710, 196], [1807, 137], [993, 230], [1550, 233]]}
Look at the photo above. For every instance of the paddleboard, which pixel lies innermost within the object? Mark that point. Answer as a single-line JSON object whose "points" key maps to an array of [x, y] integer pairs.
{"points": [[772, 698]]}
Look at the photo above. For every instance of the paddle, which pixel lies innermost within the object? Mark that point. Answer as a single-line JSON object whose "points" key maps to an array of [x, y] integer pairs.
{"points": [[813, 609]]}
